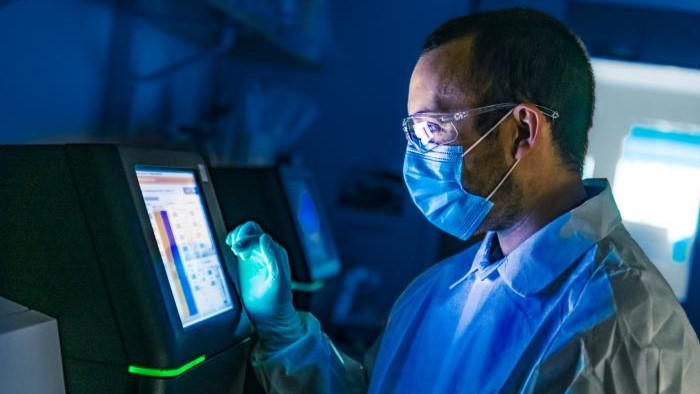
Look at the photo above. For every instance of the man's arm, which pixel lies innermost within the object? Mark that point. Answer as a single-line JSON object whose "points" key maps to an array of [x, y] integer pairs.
{"points": [[645, 344], [312, 364], [608, 359]]}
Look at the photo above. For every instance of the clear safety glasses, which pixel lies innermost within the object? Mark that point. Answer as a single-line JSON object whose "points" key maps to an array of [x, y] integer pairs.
{"points": [[426, 131]]}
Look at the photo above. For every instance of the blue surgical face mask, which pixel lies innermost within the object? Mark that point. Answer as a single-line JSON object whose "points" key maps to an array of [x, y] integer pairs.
{"points": [[434, 180]]}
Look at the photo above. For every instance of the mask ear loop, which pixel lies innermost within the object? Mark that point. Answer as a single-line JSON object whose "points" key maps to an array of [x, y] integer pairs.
{"points": [[483, 137], [503, 179]]}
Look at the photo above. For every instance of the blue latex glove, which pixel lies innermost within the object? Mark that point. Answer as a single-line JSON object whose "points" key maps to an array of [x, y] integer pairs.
{"points": [[265, 284]]}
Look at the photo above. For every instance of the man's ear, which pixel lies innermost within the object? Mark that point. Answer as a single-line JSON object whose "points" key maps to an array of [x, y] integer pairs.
{"points": [[529, 122]]}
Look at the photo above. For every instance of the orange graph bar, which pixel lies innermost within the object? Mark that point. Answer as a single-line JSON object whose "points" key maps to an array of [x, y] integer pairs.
{"points": [[177, 286]]}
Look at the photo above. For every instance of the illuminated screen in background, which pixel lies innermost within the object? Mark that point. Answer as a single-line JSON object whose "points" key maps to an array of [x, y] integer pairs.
{"points": [[320, 252], [185, 242], [657, 187]]}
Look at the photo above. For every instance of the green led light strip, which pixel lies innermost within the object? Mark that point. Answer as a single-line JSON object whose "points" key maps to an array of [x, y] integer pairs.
{"points": [[307, 287], [166, 373]]}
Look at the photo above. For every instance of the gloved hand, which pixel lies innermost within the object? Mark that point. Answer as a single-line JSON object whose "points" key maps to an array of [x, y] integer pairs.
{"points": [[265, 284]]}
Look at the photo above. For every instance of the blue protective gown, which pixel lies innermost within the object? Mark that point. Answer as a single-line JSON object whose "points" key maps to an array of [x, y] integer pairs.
{"points": [[577, 307]]}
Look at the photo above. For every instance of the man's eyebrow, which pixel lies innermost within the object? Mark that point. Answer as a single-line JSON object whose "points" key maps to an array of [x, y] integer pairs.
{"points": [[439, 110], [437, 107]]}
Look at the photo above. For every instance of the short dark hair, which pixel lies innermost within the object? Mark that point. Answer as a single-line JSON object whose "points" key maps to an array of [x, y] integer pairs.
{"points": [[524, 55]]}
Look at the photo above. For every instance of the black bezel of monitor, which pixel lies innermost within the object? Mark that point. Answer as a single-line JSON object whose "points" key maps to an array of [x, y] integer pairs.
{"points": [[207, 219], [211, 335]]}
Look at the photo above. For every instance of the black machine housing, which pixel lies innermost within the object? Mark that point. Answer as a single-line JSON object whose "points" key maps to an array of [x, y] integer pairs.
{"points": [[77, 245]]}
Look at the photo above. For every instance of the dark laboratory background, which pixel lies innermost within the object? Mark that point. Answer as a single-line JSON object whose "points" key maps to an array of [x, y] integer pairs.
{"points": [[320, 86]]}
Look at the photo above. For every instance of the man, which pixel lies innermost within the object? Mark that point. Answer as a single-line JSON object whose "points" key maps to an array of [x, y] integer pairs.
{"points": [[557, 297]]}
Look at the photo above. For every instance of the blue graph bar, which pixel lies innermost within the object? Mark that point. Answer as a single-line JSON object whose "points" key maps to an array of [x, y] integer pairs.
{"points": [[184, 281]]}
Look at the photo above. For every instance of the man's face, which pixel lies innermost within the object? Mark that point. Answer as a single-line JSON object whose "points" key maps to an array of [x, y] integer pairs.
{"points": [[438, 84]]}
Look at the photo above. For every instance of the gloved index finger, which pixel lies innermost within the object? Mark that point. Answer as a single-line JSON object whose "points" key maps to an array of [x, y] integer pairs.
{"points": [[271, 247], [246, 244], [275, 251], [249, 228]]}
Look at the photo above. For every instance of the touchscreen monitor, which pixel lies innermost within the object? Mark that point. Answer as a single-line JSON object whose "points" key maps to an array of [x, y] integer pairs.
{"points": [[186, 243]]}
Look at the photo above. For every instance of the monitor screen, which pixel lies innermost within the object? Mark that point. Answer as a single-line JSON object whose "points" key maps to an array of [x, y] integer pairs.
{"points": [[315, 237], [185, 242]]}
